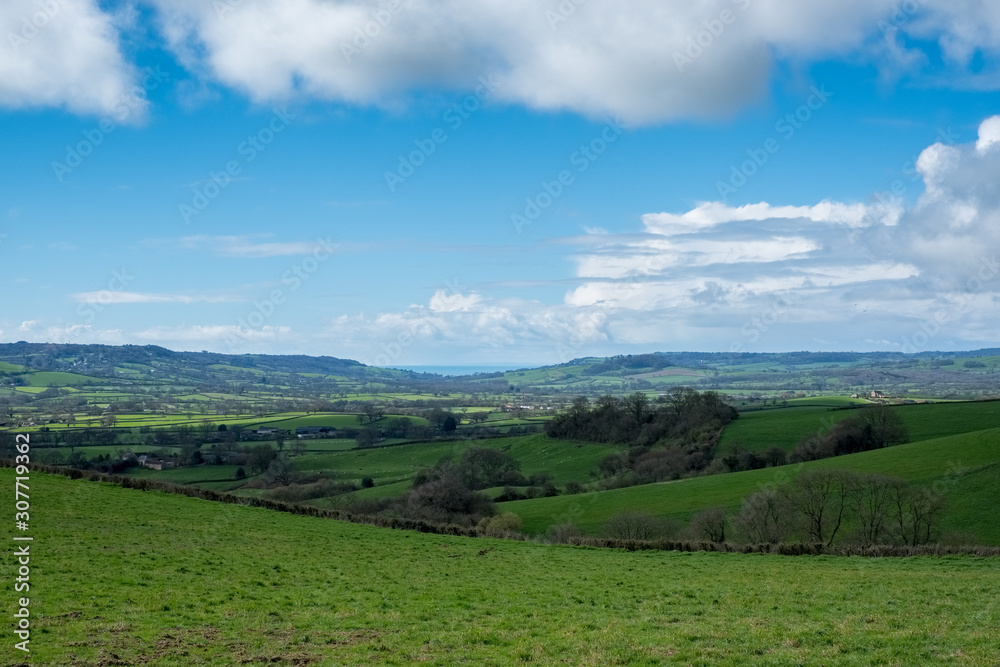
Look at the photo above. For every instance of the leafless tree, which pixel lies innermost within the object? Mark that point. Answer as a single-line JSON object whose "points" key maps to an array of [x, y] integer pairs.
{"points": [[710, 524], [633, 525], [915, 513], [764, 517], [871, 501], [821, 499], [279, 471]]}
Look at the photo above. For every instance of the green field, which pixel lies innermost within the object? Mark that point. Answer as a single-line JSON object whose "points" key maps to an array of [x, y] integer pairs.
{"points": [[185, 582], [967, 464], [335, 420], [785, 427], [567, 461], [57, 379]]}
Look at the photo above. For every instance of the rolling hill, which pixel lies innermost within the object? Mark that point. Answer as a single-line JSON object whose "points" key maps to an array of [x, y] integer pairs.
{"points": [[965, 465]]}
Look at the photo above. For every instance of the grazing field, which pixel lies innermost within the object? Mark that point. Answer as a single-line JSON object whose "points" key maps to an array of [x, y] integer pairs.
{"points": [[567, 461], [951, 460], [335, 420], [785, 427], [56, 379], [184, 582]]}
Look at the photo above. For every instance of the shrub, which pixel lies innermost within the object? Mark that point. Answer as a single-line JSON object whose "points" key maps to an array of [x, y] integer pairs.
{"points": [[509, 493], [763, 517], [573, 488], [634, 525], [710, 524], [563, 533], [501, 525]]}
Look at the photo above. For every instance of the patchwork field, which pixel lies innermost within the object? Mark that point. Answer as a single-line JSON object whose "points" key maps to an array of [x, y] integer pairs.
{"points": [[122, 577]]}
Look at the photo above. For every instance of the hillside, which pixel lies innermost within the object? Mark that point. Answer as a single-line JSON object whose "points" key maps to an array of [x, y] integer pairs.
{"points": [[785, 427], [966, 465], [185, 582]]}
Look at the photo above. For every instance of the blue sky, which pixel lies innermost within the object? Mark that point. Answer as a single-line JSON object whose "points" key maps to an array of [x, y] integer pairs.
{"points": [[505, 182]]}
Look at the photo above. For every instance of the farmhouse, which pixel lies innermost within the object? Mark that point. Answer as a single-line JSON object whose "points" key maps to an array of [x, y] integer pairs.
{"points": [[877, 394], [315, 431], [152, 463]]}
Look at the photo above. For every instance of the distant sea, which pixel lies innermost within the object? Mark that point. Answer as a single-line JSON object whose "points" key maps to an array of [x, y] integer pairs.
{"points": [[463, 370]]}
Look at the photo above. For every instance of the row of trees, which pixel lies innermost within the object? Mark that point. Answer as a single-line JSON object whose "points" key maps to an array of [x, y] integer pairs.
{"points": [[820, 506]]}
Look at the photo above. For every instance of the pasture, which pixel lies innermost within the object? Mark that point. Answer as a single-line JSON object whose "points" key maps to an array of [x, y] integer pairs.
{"points": [[128, 577], [967, 465]]}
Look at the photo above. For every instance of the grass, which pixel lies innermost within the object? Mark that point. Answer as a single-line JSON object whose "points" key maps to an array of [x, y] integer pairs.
{"points": [[785, 427], [57, 379], [188, 475], [189, 582], [336, 420], [567, 461], [949, 460]]}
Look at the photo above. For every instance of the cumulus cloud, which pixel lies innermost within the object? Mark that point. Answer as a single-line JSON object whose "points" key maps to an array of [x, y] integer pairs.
{"points": [[642, 61], [761, 276], [65, 53]]}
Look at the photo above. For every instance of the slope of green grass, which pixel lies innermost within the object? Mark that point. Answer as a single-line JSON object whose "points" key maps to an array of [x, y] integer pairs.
{"points": [[188, 475], [186, 582], [785, 427], [923, 462], [567, 461]]}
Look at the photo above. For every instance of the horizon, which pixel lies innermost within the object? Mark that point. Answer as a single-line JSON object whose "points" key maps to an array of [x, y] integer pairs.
{"points": [[407, 188]]}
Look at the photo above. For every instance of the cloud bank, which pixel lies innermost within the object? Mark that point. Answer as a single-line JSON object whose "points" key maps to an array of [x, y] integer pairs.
{"points": [[644, 61]]}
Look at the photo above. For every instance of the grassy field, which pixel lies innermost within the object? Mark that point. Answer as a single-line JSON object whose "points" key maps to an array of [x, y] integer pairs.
{"points": [[56, 379], [785, 427], [184, 582], [966, 463], [336, 420], [567, 461]]}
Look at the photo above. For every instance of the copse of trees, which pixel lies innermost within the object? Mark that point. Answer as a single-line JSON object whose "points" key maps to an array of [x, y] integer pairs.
{"points": [[873, 427], [669, 438], [634, 420]]}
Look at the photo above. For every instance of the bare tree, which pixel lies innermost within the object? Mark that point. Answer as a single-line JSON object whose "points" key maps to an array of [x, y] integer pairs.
{"points": [[279, 471], [633, 525], [821, 499], [370, 414], [871, 500], [764, 517], [710, 524], [915, 513]]}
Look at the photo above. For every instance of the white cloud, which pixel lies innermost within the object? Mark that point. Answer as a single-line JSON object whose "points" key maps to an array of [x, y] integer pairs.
{"points": [[64, 53], [643, 61], [109, 297], [751, 277], [245, 246], [211, 334], [989, 134]]}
